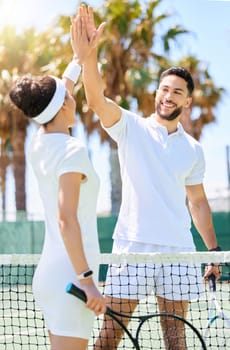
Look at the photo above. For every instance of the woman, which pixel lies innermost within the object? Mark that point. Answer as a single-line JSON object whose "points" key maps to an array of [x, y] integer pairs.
{"points": [[68, 187]]}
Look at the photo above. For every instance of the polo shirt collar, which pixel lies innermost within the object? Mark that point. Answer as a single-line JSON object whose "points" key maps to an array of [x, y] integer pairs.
{"points": [[156, 124]]}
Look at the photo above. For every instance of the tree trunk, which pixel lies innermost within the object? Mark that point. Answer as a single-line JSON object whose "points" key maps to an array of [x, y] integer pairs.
{"points": [[4, 162], [115, 178], [19, 165]]}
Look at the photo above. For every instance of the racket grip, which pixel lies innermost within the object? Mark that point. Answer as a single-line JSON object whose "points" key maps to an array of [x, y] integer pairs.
{"points": [[212, 282], [77, 292]]}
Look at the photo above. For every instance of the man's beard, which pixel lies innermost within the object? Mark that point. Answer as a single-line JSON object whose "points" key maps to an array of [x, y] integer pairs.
{"points": [[170, 116]]}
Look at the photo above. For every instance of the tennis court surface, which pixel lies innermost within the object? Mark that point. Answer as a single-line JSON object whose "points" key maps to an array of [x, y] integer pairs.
{"points": [[22, 326]]}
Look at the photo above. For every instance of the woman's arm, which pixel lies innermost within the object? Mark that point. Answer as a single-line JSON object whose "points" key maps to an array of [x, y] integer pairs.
{"points": [[68, 197], [81, 49]]}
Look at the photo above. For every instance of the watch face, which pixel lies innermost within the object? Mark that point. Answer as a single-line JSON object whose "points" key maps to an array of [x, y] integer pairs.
{"points": [[88, 273]]}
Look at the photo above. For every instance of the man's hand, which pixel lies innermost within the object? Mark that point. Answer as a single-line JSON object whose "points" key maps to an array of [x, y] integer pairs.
{"points": [[214, 269], [84, 35]]}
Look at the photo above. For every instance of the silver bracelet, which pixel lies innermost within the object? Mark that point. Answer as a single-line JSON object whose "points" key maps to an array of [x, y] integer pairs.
{"points": [[72, 71]]}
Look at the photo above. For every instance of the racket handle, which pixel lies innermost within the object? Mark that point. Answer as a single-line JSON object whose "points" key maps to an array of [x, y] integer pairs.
{"points": [[77, 292], [212, 282]]}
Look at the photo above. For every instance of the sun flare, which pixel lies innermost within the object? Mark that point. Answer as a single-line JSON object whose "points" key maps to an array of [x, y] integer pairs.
{"points": [[17, 13]]}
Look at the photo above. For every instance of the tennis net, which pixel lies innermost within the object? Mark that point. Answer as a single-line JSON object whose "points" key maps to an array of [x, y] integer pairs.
{"points": [[22, 326]]}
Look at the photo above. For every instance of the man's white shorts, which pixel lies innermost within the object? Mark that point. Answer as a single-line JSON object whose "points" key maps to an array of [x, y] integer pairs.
{"points": [[172, 282]]}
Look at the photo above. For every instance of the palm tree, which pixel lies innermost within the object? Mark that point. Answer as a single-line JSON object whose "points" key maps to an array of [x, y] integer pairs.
{"points": [[13, 134], [28, 52], [13, 128], [20, 54], [131, 68], [127, 59], [206, 96], [4, 153]]}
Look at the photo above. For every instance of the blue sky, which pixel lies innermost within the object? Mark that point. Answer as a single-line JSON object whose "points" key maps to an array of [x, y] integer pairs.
{"points": [[208, 20]]}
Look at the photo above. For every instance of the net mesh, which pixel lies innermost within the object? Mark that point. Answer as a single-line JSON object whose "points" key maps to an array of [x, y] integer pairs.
{"points": [[22, 325]]}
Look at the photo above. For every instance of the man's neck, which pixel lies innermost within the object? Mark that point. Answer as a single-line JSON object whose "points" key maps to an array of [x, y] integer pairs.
{"points": [[171, 125]]}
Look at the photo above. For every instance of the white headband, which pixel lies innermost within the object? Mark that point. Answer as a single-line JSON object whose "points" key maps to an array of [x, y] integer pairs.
{"points": [[55, 104]]}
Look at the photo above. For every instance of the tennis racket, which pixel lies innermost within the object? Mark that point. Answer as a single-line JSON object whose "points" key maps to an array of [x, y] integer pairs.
{"points": [[218, 321], [147, 334]]}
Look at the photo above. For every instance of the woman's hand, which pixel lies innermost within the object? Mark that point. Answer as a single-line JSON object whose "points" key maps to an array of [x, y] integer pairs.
{"points": [[88, 18], [95, 301]]}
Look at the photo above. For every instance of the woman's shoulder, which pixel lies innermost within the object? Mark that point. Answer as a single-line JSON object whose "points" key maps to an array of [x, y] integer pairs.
{"points": [[74, 144]]}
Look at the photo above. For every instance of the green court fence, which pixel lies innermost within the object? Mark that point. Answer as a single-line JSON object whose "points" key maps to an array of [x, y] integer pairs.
{"points": [[26, 237]]}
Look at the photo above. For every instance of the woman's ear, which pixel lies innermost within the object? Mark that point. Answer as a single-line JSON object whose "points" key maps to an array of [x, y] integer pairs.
{"points": [[64, 104]]}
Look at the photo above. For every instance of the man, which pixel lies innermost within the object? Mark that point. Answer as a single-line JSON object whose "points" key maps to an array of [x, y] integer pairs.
{"points": [[161, 165]]}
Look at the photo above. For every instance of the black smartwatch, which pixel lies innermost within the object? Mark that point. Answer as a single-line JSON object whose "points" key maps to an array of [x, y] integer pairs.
{"points": [[217, 249], [85, 275]]}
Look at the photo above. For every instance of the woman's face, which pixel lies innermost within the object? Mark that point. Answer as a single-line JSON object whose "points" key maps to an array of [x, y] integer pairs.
{"points": [[70, 105]]}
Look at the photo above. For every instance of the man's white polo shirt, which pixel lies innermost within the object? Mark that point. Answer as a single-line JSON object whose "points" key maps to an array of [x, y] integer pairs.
{"points": [[155, 168]]}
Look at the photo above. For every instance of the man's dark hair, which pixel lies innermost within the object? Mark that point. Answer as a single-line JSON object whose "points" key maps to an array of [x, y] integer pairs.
{"points": [[182, 73]]}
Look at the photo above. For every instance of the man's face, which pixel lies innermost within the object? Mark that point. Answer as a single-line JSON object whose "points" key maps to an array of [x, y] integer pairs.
{"points": [[172, 97]]}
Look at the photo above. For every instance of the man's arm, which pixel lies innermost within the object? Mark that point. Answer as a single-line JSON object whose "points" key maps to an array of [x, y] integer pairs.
{"points": [[201, 214], [83, 25], [107, 110], [202, 219]]}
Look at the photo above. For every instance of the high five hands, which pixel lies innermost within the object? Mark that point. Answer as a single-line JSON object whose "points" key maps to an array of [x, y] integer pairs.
{"points": [[84, 34]]}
